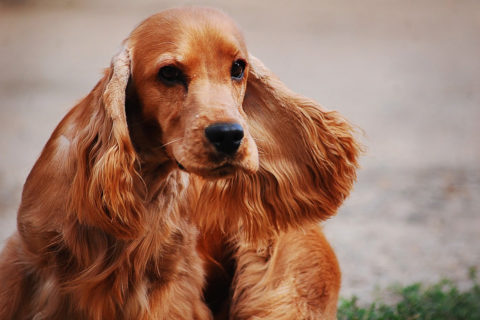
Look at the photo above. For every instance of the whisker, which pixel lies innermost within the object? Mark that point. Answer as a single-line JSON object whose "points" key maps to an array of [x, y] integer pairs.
{"points": [[170, 142], [258, 139]]}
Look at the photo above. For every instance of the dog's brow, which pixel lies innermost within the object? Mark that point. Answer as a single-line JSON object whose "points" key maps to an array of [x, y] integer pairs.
{"points": [[168, 58]]}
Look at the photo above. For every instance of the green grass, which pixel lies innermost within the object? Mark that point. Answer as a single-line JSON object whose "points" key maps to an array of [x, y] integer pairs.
{"points": [[441, 301]]}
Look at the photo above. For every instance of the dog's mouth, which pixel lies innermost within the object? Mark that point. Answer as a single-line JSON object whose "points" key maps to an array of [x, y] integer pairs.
{"points": [[180, 166], [215, 165], [221, 171], [224, 169]]}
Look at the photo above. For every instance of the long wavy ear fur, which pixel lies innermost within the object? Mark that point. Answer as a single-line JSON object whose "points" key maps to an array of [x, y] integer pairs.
{"points": [[103, 193], [308, 161]]}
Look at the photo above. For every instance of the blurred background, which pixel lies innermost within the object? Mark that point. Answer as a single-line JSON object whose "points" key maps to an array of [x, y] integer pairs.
{"points": [[406, 72]]}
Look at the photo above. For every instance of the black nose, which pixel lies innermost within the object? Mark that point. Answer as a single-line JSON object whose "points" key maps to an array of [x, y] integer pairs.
{"points": [[226, 137]]}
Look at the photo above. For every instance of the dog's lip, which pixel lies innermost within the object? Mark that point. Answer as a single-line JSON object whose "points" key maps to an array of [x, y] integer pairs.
{"points": [[223, 170], [223, 166], [180, 166], [226, 167]]}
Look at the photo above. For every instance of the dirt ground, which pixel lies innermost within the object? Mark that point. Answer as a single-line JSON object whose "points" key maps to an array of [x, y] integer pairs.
{"points": [[406, 72]]}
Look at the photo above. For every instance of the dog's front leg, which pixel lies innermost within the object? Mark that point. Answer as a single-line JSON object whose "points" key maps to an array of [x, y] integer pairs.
{"points": [[293, 276]]}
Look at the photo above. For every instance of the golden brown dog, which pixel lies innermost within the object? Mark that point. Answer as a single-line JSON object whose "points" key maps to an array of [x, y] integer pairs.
{"points": [[186, 185]]}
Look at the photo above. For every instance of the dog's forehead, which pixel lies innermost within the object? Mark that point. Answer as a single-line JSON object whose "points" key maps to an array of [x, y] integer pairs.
{"points": [[188, 31]]}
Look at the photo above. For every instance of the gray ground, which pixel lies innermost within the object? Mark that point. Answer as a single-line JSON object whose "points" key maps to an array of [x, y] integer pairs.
{"points": [[406, 72]]}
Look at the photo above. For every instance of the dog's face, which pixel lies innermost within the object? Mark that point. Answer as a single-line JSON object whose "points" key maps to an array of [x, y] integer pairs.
{"points": [[189, 69]]}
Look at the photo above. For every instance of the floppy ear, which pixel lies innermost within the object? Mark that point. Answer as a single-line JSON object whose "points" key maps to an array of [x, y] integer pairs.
{"points": [[103, 192], [308, 162]]}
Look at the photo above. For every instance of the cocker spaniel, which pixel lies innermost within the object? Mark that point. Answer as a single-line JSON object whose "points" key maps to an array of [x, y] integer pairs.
{"points": [[187, 184]]}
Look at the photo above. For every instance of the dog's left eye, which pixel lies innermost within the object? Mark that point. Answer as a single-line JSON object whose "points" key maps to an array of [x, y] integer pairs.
{"points": [[237, 70], [171, 75]]}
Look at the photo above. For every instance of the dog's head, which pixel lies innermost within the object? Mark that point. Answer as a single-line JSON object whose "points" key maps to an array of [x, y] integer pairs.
{"points": [[189, 70]]}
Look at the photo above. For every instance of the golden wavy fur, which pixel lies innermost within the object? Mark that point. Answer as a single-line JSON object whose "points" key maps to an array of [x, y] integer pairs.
{"points": [[186, 185]]}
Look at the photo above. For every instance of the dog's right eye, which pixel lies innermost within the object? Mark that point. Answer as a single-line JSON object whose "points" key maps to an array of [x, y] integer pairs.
{"points": [[171, 75], [237, 70]]}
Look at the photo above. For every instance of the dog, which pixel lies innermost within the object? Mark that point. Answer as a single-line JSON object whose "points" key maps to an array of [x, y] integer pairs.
{"points": [[188, 184]]}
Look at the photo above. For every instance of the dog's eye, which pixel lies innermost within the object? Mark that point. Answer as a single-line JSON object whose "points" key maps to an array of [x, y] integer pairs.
{"points": [[238, 68], [171, 75]]}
